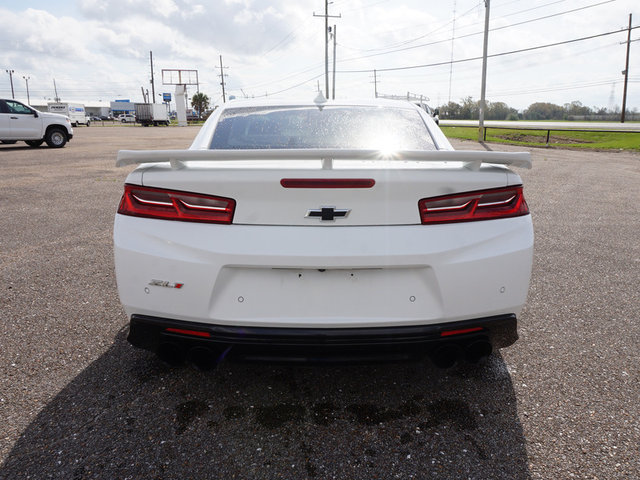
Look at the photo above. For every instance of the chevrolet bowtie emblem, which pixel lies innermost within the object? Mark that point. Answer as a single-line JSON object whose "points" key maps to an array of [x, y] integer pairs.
{"points": [[328, 213]]}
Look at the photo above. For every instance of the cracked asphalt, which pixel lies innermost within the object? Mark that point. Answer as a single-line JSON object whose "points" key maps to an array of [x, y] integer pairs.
{"points": [[77, 402]]}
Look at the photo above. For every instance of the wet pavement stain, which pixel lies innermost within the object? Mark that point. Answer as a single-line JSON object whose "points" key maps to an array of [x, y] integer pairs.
{"points": [[455, 412], [277, 415], [234, 412], [187, 412], [324, 414], [370, 414]]}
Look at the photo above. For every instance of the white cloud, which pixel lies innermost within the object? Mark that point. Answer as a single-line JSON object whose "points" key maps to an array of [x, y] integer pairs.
{"points": [[101, 49]]}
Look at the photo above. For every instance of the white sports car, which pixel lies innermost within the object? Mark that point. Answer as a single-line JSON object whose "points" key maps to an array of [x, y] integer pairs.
{"points": [[322, 230]]}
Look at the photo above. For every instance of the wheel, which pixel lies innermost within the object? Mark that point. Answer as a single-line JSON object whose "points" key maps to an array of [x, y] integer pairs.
{"points": [[9, 142], [88, 123], [34, 143], [56, 138]]}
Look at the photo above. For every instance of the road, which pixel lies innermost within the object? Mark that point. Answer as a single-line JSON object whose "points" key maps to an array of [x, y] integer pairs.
{"points": [[78, 402]]}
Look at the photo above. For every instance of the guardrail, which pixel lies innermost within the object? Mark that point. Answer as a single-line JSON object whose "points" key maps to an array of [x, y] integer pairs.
{"points": [[546, 127], [549, 130]]}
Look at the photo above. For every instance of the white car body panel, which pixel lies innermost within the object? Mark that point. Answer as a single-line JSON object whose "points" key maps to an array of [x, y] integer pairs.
{"points": [[269, 276]]}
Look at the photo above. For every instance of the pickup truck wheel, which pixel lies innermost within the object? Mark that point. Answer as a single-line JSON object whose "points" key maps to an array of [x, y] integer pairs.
{"points": [[56, 138], [34, 143], [9, 142]]}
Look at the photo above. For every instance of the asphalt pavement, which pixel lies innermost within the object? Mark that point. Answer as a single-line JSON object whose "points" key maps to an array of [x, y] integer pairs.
{"points": [[78, 402]]}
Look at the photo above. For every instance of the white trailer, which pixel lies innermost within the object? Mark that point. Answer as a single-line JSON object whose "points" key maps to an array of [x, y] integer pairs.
{"points": [[152, 114], [75, 111]]}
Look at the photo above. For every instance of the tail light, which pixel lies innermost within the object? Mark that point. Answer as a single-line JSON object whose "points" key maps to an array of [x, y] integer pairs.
{"points": [[471, 206], [173, 205]]}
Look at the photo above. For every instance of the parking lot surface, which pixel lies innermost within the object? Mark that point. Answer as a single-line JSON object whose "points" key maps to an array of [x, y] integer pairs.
{"points": [[78, 402]]}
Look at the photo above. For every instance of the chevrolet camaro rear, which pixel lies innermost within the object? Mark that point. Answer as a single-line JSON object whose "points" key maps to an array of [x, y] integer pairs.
{"points": [[322, 231]]}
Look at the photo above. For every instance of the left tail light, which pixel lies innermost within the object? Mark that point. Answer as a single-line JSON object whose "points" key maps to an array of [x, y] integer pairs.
{"points": [[174, 205], [470, 206]]}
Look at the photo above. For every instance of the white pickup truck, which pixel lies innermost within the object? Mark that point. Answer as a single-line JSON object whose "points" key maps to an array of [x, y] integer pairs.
{"points": [[21, 122]]}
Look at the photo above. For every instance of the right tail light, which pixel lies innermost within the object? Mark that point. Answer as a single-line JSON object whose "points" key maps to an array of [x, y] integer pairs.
{"points": [[472, 206]]}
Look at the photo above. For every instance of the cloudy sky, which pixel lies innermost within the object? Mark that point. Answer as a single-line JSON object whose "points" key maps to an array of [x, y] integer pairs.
{"points": [[99, 49]]}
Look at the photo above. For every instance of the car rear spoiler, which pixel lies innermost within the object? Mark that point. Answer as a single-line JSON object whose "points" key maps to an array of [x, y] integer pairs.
{"points": [[472, 159]]}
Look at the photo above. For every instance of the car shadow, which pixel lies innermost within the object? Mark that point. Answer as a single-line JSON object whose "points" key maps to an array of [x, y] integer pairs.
{"points": [[128, 415], [19, 147]]}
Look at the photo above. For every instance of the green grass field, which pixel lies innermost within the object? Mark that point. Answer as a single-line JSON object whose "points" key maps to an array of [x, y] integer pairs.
{"points": [[537, 138]]}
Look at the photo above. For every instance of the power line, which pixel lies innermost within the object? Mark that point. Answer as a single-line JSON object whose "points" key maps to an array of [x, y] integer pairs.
{"points": [[292, 87], [391, 69], [476, 33]]}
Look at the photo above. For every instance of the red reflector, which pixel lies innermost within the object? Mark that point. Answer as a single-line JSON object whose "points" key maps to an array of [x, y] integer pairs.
{"points": [[327, 182], [470, 206], [173, 205], [194, 333], [448, 333]]}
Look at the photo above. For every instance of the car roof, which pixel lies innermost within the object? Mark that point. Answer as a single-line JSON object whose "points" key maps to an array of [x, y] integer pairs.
{"points": [[272, 102]]}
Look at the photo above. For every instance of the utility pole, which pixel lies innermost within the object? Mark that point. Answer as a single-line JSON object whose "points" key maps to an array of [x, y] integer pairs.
{"points": [[375, 83], [153, 89], [326, 43], [55, 88], [26, 80], [222, 75], [11, 72], [483, 89], [626, 73], [333, 94]]}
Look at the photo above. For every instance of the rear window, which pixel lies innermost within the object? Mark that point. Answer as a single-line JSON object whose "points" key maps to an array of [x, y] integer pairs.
{"points": [[328, 127]]}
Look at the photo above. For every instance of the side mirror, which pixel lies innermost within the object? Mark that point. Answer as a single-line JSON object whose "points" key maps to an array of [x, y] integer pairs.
{"points": [[35, 114]]}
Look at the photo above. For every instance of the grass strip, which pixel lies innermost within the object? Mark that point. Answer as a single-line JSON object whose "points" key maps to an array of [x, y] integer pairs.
{"points": [[561, 139]]}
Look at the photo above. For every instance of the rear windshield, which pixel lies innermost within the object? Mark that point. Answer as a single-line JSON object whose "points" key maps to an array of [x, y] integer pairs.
{"points": [[328, 127]]}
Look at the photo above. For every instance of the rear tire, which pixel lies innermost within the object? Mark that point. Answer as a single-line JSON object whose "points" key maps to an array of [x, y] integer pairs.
{"points": [[34, 143], [56, 138]]}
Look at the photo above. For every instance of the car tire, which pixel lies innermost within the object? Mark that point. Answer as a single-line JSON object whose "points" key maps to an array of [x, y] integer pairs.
{"points": [[88, 124], [56, 138], [34, 143], [9, 142]]}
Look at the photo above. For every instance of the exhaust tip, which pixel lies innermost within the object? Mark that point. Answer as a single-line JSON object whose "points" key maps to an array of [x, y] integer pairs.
{"points": [[171, 353], [446, 356], [478, 350], [202, 358]]}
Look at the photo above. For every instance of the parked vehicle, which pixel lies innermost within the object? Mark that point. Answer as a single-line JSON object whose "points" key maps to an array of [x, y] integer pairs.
{"points": [[126, 118], [322, 230], [75, 112], [21, 122], [152, 114]]}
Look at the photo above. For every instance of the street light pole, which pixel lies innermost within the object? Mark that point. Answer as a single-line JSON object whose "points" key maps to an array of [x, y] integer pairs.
{"points": [[626, 73], [11, 72], [483, 89], [26, 80]]}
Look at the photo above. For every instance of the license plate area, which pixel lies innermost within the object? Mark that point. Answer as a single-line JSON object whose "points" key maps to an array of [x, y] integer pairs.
{"points": [[337, 297]]}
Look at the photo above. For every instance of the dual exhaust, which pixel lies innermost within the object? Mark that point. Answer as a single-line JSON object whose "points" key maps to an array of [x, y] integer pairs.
{"points": [[203, 358], [448, 354]]}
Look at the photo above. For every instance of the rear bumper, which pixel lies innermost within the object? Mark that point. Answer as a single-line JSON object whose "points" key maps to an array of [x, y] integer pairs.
{"points": [[317, 344]]}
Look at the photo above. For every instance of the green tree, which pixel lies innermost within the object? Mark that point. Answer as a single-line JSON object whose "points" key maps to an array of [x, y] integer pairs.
{"points": [[544, 111], [200, 103], [499, 111]]}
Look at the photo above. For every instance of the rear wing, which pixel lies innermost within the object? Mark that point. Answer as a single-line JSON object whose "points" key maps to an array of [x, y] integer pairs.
{"points": [[471, 159]]}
